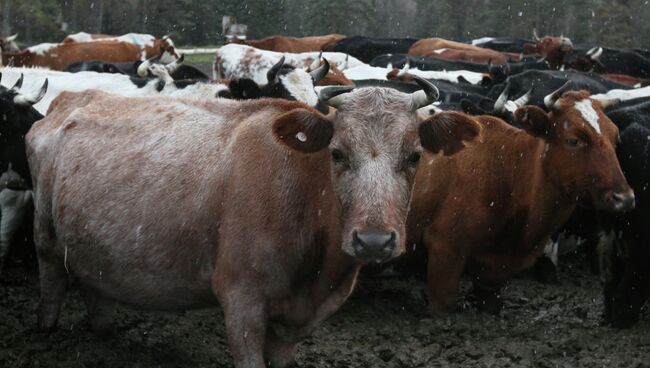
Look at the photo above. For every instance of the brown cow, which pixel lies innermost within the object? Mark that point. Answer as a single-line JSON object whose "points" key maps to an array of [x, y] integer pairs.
{"points": [[451, 50], [292, 44], [152, 46], [553, 49], [267, 207], [334, 76], [489, 210], [60, 56]]}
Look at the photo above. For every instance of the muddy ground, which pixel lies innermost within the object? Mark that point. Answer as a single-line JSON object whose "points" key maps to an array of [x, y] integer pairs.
{"points": [[383, 325]]}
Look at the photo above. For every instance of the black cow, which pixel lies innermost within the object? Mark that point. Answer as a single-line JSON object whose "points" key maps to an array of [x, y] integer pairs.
{"points": [[499, 73], [426, 63], [367, 48], [18, 115], [547, 81], [625, 259], [97, 66], [288, 88], [615, 61]]}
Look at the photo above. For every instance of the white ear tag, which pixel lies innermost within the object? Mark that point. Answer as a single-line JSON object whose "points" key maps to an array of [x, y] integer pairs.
{"points": [[301, 137]]}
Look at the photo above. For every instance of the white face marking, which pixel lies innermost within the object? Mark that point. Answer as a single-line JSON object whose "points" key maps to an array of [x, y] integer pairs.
{"points": [[300, 85], [588, 113]]}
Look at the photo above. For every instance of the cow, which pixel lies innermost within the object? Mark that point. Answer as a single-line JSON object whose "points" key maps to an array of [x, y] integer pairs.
{"points": [[367, 48], [96, 66], [479, 56], [280, 205], [235, 61], [615, 61], [292, 44], [426, 46], [9, 43], [60, 56], [59, 82], [624, 253], [426, 63], [18, 116], [489, 210], [15, 205], [283, 81], [152, 46], [553, 49]]}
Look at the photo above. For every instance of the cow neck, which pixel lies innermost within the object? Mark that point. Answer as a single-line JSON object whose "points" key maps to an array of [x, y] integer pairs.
{"points": [[536, 190]]}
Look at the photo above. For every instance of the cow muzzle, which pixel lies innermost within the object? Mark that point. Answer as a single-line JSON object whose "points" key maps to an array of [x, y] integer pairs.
{"points": [[620, 201], [374, 245]]}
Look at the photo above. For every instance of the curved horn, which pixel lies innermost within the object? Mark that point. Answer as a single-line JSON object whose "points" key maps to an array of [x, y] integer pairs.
{"points": [[500, 104], [428, 95], [143, 68], [31, 98], [272, 74], [551, 99], [321, 71], [19, 83], [535, 36], [404, 69], [523, 100], [11, 38], [174, 65], [330, 95], [595, 53], [316, 62]]}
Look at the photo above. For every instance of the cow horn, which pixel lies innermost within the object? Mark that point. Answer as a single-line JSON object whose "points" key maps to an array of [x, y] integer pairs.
{"points": [[174, 65], [19, 83], [31, 98], [143, 68], [500, 104], [428, 95], [523, 100], [404, 69], [11, 38], [595, 53], [609, 102], [316, 62], [272, 74], [551, 99], [330, 95], [0, 77], [321, 71], [347, 58], [535, 36]]}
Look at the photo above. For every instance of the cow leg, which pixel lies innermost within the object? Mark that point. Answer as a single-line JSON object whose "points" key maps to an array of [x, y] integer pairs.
{"points": [[12, 213], [487, 297], [444, 271], [246, 319], [279, 352], [54, 282], [101, 311]]}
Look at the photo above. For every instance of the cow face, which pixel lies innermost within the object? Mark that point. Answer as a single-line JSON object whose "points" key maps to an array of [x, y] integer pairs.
{"points": [[167, 50], [580, 155], [552, 48], [284, 81], [377, 142], [9, 43], [16, 112]]}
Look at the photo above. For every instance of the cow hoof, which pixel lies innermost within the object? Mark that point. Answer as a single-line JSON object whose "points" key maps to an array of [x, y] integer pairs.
{"points": [[487, 301], [546, 271]]}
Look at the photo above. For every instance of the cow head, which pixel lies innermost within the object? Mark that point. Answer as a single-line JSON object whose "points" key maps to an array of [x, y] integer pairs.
{"points": [[16, 112], [167, 49], [580, 157], [334, 76], [552, 48], [589, 62], [375, 146], [284, 81], [9, 43]]}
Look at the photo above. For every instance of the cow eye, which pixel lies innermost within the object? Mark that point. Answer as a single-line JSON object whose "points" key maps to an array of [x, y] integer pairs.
{"points": [[414, 158], [572, 142], [338, 156]]}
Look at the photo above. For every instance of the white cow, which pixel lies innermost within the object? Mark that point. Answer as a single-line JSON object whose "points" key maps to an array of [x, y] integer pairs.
{"points": [[235, 61]]}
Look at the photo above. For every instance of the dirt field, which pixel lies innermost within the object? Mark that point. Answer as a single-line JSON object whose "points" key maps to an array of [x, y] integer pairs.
{"points": [[383, 325]]}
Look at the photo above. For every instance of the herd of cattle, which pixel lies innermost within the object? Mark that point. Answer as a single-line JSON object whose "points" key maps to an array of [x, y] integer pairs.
{"points": [[154, 185]]}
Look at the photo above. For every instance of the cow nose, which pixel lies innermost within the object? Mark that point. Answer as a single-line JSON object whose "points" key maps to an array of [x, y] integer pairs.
{"points": [[373, 245], [621, 201]]}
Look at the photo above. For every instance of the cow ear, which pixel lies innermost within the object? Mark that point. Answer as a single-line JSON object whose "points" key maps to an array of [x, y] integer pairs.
{"points": [[533, 120], [446, 132], [303, 130]]}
